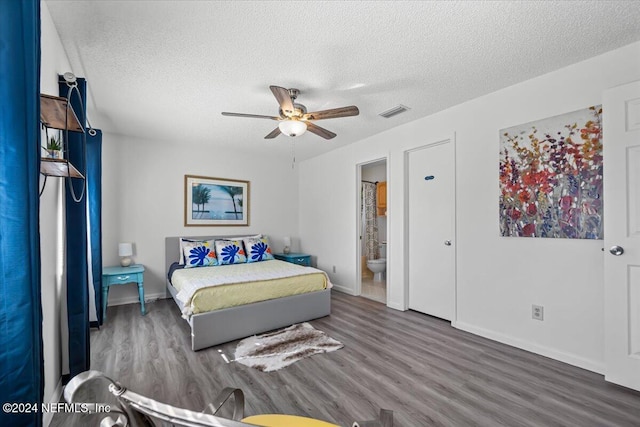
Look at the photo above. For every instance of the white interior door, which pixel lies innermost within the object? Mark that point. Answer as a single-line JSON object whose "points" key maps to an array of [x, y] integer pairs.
{"points": [[621, 145], [431, 207]]}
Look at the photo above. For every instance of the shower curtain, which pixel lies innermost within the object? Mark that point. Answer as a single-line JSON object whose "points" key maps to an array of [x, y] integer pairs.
{"points": [[369, 221]]}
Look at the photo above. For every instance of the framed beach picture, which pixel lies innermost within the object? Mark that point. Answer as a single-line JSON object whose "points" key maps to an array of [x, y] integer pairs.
{"points": [[215, 201]]}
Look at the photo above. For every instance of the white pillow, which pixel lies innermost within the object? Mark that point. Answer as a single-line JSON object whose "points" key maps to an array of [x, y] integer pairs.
{"points": [[257, 236]]}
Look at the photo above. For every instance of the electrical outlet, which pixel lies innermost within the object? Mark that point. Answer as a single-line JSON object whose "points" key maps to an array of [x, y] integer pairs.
{"points": [[537, 312], [334, 268]]}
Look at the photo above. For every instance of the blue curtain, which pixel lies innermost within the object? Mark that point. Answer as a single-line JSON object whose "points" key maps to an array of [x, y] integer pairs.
{"points": [[21, 360], [76, 220], [94, 194]]}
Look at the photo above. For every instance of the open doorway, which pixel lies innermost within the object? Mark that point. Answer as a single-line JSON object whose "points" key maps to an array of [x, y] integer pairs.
{"points": [[372, 230]]}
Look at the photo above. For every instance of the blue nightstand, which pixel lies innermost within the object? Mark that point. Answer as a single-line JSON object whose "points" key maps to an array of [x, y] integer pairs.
{"points": [[120, 276], [295, 258]]}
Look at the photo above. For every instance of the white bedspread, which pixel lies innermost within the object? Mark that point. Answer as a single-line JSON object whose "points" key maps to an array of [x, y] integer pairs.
{"points": [[189, 280]]}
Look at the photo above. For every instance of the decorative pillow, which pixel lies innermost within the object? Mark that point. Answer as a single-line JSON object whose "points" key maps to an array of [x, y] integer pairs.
{"points": [[199, 254], [184, 240], [257, 249], [230, 252], [182, 243]]}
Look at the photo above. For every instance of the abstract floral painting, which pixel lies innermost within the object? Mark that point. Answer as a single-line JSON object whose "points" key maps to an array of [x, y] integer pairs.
{"points": [[551, 177]]}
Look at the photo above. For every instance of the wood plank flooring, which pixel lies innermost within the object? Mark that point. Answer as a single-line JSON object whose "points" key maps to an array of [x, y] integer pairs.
{"points": [[427, 372]]}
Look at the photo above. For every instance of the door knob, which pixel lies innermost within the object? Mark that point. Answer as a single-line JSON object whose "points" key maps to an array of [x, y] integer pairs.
{"points": [[447, 242], [616, 250]]}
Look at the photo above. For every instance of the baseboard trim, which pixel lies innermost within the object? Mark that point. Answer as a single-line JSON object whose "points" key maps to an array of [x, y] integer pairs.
{"points": [[396, 305], [57, 394], [344, 290], [589, 365], [134, 300]]}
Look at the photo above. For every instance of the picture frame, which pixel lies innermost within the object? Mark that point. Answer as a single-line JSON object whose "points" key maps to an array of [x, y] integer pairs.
{"points": [[212, 201], [551, 177]]}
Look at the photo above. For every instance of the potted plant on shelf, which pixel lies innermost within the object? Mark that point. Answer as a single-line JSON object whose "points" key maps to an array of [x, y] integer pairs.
{"points": [[54, 148]]}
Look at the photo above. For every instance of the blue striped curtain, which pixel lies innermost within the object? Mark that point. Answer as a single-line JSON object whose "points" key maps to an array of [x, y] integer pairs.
{"points": [[84, 232], [21, 359], [94, 199], [76, 220]]}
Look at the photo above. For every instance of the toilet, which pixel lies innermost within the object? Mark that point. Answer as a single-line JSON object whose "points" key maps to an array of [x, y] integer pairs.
{"points": [[378, 266]]}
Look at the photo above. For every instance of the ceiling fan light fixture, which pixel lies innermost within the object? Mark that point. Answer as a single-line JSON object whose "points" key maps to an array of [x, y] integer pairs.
{"points": [[291, 127], [294, 120]]}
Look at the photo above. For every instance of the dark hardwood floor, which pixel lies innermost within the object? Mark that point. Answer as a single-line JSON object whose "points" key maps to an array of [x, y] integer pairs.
{"points": [[427, 372]]}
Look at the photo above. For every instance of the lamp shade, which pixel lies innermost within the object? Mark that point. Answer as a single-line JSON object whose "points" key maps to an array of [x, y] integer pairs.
{"points": [[287, 241], [125, 249], [292, 127]]}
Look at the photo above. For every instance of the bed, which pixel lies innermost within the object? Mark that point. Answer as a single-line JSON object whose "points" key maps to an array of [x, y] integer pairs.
{"points": [[220, 325]]}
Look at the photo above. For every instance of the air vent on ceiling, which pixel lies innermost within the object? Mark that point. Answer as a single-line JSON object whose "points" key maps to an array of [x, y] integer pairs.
{"points": [[394, 111]]}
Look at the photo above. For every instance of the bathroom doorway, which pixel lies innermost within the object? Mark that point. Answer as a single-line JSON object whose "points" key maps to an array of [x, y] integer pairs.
{"points": [[372, 230]]}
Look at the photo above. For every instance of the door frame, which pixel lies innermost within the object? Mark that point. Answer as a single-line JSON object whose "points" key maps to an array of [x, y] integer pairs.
{"points": [[358, 283], [449, 139]]}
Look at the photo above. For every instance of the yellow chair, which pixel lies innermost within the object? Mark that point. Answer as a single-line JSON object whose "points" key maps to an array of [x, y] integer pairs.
{"points": [[277, 420], [135, 410]]}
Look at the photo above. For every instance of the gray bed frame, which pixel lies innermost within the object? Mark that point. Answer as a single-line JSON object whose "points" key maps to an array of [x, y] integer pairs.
{"points": [[229, 324]]}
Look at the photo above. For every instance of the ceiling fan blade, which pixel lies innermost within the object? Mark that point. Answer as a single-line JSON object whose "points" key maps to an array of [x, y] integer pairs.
{"points": [[333, 113], [326, 134], [284, 99], [273, 134], [253, 116]]}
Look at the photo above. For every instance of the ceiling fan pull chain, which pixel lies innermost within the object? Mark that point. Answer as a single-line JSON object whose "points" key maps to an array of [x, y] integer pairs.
{"points": [[293, 153]]}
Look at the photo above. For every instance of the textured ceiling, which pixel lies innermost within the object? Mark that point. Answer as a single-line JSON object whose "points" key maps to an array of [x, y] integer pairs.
{"points": [[165, 70]]}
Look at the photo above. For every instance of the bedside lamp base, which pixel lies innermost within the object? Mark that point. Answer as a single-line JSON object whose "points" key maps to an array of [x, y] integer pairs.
{"points": [[125, 261]]}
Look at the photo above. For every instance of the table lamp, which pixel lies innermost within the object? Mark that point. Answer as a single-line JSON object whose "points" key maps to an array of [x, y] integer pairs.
{"points": [[125, 250], [287, 245]]}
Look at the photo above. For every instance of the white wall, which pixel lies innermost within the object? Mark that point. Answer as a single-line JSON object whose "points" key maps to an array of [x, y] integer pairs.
{"points": [[53, 62], [143, 200], [498, 278]]}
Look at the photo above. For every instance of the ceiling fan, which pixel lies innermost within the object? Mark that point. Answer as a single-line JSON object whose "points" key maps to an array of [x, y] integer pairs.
{"points": [[294, 118]]}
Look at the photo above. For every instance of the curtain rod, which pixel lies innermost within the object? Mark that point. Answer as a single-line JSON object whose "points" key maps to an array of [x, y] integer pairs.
{"points": [[370, 182]]}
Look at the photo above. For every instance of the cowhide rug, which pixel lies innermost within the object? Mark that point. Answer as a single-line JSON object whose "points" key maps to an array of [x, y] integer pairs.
{"points": [[275, 350]]}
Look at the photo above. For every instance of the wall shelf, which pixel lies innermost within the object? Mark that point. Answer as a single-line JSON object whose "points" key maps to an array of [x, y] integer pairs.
{"points": [[59, 167], [53, 110], [56, 113]]}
